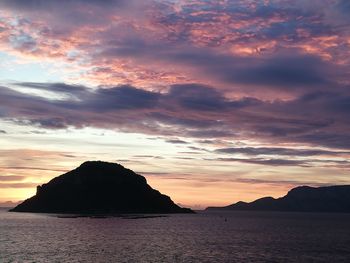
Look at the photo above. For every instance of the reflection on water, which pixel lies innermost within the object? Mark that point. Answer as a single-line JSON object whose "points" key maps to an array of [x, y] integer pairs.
{"points": [[202, 237]]}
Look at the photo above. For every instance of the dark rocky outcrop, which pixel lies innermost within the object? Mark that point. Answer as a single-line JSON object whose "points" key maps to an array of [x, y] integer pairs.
{"points": [[301, 199], [99, 188]]}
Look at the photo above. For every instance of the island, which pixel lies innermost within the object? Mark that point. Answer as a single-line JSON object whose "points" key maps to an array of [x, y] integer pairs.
{"points": [[97, 187], [330, 199]]}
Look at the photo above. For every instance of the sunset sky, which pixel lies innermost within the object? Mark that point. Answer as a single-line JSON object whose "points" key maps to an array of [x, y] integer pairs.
{"points": [[212, 101]]}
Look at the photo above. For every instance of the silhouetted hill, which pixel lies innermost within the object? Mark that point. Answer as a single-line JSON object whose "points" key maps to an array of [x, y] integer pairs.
{"points": [[301, 199], [99, 187]]}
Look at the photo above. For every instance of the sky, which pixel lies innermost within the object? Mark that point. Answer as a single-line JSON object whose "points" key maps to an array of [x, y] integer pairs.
{"points": [[212, 101]]}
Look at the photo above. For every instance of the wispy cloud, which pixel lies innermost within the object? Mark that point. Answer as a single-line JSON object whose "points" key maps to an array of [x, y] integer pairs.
{"points": [[280, 151]]}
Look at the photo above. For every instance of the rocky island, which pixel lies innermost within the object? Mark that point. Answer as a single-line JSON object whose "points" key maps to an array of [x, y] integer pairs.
{"points": [[330, 199], [97, 187]]}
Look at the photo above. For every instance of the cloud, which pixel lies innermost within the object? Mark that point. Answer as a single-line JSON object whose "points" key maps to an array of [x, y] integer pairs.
{"points": [[59, 114], [176, 141], [4, 178], [279, 45], [101, 99], [280, 71], [281, 182], [122, 97], [280, 151], [32, 168], [205, 98], [283, 72], [17, 185], [181, 120], [63, 7], [339, 140], [269, 162], [198, 97], [294, 161], [76, 90], [342, 9], [189, 110], [268, 71], [23, 42]]}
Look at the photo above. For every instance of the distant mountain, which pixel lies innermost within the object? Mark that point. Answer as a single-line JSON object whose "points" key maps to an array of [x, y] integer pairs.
{"points": [[97, 187], [8, 204], [302, 199]]}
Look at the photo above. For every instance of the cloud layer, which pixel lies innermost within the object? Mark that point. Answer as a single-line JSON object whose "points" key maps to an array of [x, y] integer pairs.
{"points": [[189, 110], [259, 84], [278, 47]]}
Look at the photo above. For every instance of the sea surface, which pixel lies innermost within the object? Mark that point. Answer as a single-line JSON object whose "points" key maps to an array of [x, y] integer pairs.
{"points": [[202, 237]]}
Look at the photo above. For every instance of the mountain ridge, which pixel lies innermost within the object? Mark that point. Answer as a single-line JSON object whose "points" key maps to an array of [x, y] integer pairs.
{"points": [[300, 199]]}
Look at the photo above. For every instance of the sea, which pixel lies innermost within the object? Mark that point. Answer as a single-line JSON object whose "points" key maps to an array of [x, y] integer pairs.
{"points": [[201, 237]]}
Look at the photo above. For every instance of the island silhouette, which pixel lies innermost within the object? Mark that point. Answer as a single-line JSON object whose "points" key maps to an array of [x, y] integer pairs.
{"points": [[97, 187], [331, 199]]}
